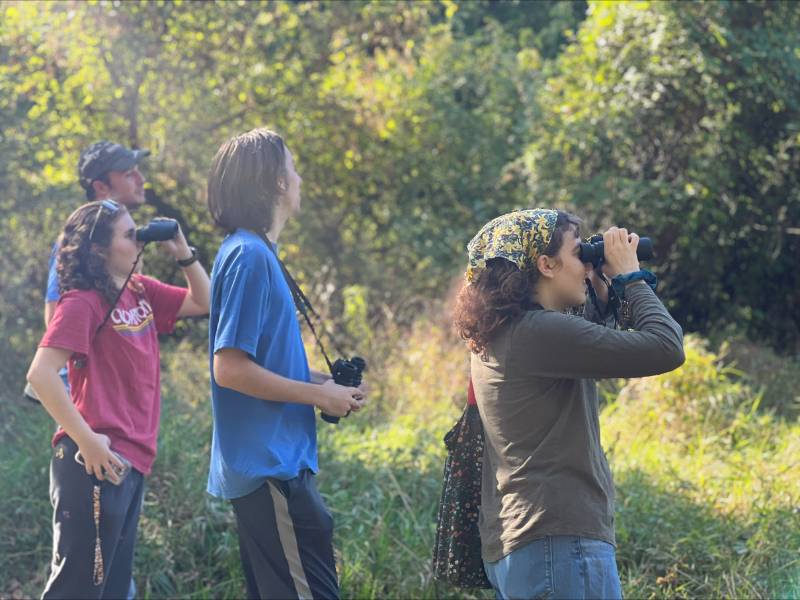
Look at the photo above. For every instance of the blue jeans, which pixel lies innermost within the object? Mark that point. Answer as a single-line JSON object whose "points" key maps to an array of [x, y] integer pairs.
{"points": [[561, 566]]}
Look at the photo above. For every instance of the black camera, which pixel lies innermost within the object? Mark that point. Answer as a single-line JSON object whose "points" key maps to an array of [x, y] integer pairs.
{"points": [[347, 373], [593, 250], [157, 231]]}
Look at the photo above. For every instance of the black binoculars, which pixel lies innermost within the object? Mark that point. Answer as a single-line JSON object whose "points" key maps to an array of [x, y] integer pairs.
{"points": [[157, 231], [348, 373], [593, 251]]}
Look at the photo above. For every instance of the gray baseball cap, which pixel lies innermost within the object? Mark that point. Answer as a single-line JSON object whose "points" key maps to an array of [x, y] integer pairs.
{"points": [[102, 157]]}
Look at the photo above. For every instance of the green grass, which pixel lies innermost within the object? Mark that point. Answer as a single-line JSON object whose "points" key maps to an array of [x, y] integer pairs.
{"points": [[708, 484]]}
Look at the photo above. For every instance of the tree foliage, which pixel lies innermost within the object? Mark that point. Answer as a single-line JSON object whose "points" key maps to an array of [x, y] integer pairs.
{"points": [[414, 123], [682, 120]]}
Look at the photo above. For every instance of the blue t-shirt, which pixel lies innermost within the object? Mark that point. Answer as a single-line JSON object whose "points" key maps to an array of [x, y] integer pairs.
{"points": [[51, 294], [252, 310]]}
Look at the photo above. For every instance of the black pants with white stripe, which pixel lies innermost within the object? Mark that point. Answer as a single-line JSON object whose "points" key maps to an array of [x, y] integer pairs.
{"points": [[286, 540]]}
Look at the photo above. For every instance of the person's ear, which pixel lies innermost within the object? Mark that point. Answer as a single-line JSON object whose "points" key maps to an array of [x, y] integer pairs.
{"points": [[547, 265], [101, 190]]}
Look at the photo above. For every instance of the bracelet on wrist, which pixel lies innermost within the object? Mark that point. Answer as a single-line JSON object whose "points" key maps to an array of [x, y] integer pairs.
{"points": [[619, 282]]}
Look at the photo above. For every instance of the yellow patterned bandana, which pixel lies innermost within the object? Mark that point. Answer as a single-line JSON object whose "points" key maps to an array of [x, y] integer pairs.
{"points": [[520, 237]]}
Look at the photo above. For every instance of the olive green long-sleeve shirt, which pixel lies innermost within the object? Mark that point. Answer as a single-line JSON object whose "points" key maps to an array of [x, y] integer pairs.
{"points": [[545, 472]]}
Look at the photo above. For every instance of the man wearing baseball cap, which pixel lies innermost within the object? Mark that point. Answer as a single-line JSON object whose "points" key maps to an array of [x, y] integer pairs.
{"points": [[106, 171]]}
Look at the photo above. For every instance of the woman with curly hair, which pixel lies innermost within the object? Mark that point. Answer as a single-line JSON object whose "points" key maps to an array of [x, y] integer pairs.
{"points": [[547, 497], [105, 328]]}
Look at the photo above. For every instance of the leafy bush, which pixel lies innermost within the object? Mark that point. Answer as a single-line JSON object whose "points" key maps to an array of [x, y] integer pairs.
{"points": [[707, 487], [681, 121], [708, 495]]}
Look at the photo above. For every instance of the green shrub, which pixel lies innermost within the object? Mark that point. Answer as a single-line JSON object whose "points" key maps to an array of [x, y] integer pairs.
{"points": [[708, 486], [708, 489]]}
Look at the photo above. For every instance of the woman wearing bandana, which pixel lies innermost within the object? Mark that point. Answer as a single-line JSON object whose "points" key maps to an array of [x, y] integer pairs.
{"points": [[547, 506]]}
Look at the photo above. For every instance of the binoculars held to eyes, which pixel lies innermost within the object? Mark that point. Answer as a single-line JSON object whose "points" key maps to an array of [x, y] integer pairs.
{"points": [[347, 373], [157, 231], [593, 251]]}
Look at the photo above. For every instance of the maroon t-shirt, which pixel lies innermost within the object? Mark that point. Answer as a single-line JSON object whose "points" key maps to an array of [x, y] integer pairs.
{"points": [[114, 374]]}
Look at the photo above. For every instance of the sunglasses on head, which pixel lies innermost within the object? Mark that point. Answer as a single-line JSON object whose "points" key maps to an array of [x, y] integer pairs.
{"points": [[109, 205]]}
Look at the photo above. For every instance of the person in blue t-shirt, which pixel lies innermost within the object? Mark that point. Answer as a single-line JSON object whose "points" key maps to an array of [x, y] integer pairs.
{"points": [[263, 394]]}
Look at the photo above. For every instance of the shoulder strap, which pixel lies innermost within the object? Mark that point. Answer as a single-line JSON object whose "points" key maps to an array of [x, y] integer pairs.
{"points": [[471, 394], [120, 292], [303, 304]]}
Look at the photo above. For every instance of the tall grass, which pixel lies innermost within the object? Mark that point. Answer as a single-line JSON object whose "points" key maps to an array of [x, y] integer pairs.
{"points": [[709, 485], [708, 482]]}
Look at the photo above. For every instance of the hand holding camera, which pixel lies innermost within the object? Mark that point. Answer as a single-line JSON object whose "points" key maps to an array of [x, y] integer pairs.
{"points": [[96, 456], [347, 373], [338, 400]]}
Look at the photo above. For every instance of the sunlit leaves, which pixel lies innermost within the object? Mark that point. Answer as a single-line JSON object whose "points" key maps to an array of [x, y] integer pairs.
{"points": [[666, 118]]}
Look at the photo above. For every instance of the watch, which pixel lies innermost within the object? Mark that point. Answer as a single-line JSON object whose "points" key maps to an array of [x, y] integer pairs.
{"points": [[620, 281], [188, 261]]}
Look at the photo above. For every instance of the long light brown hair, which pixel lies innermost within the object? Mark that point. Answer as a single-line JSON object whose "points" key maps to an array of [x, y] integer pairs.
{"points": [[243, 181]]}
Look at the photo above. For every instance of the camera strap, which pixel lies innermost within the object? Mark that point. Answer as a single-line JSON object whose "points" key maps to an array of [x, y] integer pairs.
{"points": [[119, 293], [304, 306]]}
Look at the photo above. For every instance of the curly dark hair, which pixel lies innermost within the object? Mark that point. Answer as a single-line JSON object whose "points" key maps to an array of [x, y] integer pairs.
{"points": [[502, 292], [82, 262]]}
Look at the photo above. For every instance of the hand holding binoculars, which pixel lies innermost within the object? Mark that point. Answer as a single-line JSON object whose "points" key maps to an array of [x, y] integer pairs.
{"points": [[159, 230]]}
